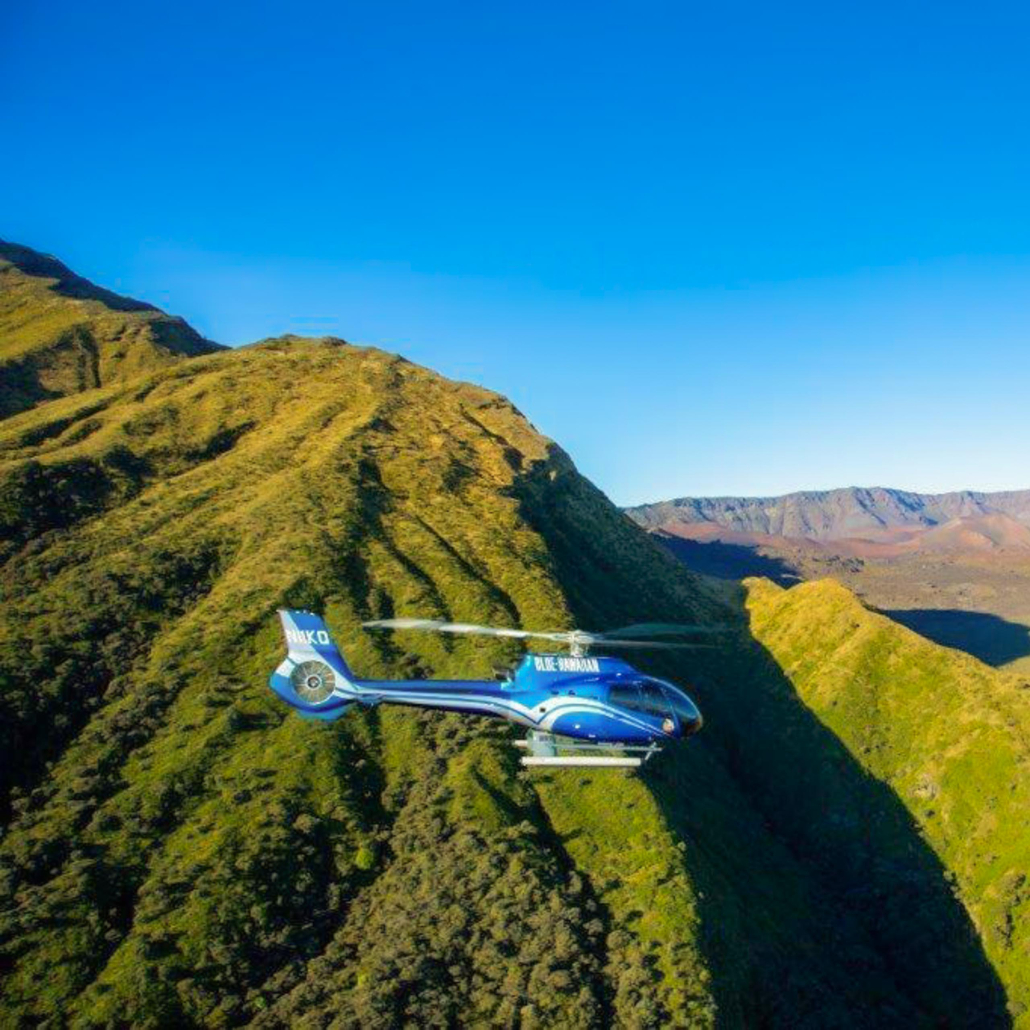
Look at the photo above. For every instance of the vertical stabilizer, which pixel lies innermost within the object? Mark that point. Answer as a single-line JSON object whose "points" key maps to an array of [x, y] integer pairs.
{"points": [[313, 677], [308, 639]]}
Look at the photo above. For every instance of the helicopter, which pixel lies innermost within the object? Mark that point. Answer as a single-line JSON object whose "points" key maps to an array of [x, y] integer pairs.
{"points": [[589, 705]]}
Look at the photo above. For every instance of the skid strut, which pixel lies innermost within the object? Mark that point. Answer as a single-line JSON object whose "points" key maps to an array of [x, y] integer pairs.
{"points": [[543, 751]]}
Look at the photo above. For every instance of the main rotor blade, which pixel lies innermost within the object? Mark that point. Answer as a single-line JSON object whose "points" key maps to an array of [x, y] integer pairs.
{"points": [[650, 629], [575, 636], [438, 626], [662, 645]]}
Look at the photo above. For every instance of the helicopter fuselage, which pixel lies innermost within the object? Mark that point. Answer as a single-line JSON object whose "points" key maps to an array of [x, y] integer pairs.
{"points": [[589, 698]]}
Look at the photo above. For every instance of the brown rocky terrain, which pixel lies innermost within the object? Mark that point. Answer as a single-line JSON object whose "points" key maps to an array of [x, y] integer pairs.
{"points": [[954, 567]]}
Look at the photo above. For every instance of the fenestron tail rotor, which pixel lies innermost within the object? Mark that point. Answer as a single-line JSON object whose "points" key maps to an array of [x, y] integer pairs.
{"points": [[578, 641]]}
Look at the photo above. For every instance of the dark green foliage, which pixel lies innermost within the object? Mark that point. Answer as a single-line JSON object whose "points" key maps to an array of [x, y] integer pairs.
{"points": [[470, 922]]}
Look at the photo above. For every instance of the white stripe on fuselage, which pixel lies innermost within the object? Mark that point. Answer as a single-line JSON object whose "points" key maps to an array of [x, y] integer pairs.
{"points": [[531, 716]]}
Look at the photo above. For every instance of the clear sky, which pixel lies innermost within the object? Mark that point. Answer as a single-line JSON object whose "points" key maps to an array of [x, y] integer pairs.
{"points": [[709, 248]]}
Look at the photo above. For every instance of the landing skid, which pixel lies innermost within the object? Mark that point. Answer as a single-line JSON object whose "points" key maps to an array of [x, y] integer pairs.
{"points": [[543, 751]]}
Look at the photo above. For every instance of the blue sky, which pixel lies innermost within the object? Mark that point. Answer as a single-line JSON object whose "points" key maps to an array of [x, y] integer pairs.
{"points": [[721, 248]]}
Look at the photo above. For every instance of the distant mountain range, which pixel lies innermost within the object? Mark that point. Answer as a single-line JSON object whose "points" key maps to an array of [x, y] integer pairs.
{"points": [[864, 522]]}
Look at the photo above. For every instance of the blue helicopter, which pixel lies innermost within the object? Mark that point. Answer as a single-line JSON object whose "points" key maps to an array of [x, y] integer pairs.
{"points": [[585, 704]]}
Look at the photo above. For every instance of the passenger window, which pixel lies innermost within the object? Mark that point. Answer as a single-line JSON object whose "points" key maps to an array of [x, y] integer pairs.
{"points": [[655, 701], [626, 696]]}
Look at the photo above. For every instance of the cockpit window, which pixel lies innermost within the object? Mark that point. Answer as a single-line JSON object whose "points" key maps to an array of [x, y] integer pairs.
{"points": [[640, 696]]}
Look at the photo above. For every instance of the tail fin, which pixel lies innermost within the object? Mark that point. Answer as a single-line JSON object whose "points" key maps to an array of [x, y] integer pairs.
{"points": [[313, 677], [308, 638]]}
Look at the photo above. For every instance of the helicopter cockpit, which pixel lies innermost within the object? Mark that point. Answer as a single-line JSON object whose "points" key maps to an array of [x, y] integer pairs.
{"points": [[660, 700]]}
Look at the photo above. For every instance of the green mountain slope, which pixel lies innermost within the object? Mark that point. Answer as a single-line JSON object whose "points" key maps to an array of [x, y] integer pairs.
{"points": [[60, 334], [180, 849], [947, 734], [193, 844]]}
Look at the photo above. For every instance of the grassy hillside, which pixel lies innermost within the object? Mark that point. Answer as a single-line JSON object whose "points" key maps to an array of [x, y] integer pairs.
{"points": [[185, 849], [60, 334], [947, 735], [180, 849]]}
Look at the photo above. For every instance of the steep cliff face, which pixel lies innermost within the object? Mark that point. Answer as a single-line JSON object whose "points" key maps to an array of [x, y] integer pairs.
{"points": [[181, 849], [60, 334]]}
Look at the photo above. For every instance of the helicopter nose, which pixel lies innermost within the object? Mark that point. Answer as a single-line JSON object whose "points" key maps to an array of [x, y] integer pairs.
{"points": [[688, 718], [689, 725]]}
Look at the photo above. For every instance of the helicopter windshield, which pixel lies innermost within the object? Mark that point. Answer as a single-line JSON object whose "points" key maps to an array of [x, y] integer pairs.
{"points": [[685, 709], [641, 696]]}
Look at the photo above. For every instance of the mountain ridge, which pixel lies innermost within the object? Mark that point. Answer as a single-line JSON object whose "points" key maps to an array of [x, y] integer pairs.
{"points": [[180, 849], [876, 516], [61, 334], [201, 489], [318, 474], [833, 514]]}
